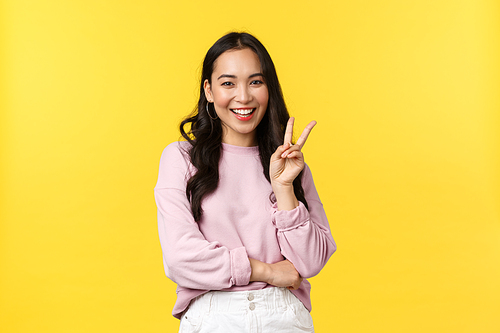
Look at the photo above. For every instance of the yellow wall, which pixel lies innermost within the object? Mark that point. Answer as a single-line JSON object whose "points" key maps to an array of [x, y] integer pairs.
{"points": [[405, 155]]}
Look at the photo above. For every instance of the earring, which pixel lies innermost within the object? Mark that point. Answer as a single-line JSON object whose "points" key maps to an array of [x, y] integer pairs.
{"points": [[216, 116]]}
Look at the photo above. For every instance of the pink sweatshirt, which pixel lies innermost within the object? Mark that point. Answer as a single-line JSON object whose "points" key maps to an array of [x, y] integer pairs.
{"points": [[239, 221]]}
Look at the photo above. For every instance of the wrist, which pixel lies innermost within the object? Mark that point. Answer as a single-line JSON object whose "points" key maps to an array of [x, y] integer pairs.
{"points": [[282, 188], [260, 271], [285, 197]]}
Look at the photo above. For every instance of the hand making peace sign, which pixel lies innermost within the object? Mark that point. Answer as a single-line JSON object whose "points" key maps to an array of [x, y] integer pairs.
{"points": [[288, 161]]}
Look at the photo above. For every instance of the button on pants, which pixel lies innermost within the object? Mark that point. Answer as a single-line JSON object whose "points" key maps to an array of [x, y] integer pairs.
{"points": [[257, 311]]}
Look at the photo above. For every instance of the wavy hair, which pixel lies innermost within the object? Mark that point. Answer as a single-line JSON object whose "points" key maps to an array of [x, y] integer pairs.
{"points": [[205, 133]]}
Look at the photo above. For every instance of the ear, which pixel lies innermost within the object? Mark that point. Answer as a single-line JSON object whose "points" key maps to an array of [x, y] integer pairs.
{"points": [[208, 91]]}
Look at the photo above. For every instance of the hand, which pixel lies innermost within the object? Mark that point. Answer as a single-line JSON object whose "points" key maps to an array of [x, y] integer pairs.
{"points": [[288, 161], [280, 274], [284, 274]]}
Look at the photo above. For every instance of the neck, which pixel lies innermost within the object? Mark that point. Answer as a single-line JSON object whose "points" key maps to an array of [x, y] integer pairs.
{"points": [[242, 140]]}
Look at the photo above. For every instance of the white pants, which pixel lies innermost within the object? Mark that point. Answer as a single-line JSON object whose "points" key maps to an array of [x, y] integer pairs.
{"points": [[260, 311]]}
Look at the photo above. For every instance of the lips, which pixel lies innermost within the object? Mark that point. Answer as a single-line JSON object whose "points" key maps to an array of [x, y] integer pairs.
{"points": [[243, 112]]}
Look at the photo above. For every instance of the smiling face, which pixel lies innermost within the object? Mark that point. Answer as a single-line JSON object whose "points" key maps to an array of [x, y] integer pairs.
{"points": [[239, 94]]}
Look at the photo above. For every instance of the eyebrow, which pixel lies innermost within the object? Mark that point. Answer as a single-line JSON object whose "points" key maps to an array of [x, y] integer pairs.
{"points": [[234, 76]]}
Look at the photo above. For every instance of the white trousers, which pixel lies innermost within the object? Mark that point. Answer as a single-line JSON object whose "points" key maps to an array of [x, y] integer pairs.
{"points": [[257, 311]]}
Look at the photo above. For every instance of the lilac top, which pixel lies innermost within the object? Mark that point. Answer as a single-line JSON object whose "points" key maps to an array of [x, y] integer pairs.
{"points": [[239, 221]]}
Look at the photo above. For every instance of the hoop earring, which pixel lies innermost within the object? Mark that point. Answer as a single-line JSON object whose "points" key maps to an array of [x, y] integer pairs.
{"points": [[216, 116]]}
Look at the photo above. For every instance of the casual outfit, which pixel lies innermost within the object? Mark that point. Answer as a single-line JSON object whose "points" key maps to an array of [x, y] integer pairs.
{"points": [[239, 221]]}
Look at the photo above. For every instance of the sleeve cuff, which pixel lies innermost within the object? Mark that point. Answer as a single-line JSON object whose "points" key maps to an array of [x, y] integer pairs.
{"points": [[240, 267], [285, 220]]}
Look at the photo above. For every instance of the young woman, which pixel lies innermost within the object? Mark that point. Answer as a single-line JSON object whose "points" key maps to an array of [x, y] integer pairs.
{"points": [[240, 222]]}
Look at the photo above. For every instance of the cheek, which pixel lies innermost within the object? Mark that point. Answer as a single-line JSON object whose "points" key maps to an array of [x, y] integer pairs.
{"points": [[263, 97], [221, 98]]}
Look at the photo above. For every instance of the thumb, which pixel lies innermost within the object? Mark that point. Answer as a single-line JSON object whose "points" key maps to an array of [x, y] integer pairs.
{"points": [[279, 151]]}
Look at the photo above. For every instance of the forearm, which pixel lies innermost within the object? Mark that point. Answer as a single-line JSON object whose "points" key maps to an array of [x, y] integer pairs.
{"points": [[308, 247], [196, 263], [280, 274], [304, 234], [190, 260], [260, 271], [285, 197]]}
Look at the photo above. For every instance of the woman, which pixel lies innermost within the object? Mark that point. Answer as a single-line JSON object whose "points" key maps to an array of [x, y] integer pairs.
{"points": [[240, 222]]}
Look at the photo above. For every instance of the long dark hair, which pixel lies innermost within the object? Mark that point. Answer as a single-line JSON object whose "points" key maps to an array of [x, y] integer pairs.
{"points": [[205, 134]]}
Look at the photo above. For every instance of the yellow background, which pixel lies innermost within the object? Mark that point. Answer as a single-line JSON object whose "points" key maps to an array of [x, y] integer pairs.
{"points": [[405, 155]]}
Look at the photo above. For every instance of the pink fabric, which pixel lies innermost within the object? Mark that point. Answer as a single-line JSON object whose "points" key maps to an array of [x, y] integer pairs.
{"points": [[239, 221]]}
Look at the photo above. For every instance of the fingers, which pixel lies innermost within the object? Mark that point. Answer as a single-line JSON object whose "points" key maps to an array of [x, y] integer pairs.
{"points": [[279, 151], [297, 278], [285, 150], [303, 137], [289, 131], [296, 284], [305, 133], [292, 151]]}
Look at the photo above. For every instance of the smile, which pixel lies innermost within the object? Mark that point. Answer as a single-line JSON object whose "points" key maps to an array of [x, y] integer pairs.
{"points": [[243, 112]]}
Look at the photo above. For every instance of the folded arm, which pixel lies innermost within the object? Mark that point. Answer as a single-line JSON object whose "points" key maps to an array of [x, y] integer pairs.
{"points": [[189, 259]]}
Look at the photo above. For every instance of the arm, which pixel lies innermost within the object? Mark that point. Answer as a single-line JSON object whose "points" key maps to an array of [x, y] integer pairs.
{"points": [[304, 235], [189, 259], [280, 274]]}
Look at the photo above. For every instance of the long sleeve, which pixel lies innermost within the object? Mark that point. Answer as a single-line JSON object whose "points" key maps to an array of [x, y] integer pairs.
{"points": [[304, 235], [189, 259], [238, 222]]}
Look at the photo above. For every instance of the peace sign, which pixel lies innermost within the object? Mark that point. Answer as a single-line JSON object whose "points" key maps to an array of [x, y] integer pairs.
{"points": [[288, 161]]}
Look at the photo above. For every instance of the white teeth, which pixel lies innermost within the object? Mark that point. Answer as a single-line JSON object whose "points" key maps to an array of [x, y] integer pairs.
{"points": [[242, 111]]}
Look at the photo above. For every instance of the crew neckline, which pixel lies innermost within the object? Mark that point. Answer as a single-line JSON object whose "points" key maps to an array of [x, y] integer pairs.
{"points": [[239, 150]]}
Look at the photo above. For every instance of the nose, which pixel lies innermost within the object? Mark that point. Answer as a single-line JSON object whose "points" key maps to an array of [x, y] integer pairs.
{"points": [[243, 94]]}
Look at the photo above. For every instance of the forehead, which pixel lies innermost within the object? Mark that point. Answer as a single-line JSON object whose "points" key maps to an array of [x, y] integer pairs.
{"points": [[236, 62]]}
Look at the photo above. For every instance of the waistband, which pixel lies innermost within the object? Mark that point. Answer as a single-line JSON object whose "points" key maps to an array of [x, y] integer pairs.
{"points": [[267, 299]]}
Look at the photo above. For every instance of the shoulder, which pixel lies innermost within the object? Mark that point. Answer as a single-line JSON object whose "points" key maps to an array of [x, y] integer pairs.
{"points": [[176, 152], [176, 148], [175, 166]]}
